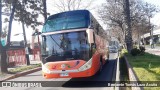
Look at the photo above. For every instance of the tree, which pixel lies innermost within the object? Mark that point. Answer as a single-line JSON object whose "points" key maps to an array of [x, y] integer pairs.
{"points": [[27, 12], [44, 13], [68, 5], [113, 14], [3, 63], [3, 52], [19, 12], [128, 37]]}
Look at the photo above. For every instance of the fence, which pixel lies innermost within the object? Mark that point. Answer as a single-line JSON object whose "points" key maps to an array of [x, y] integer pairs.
{"points": [[35, 54], [17, 57]]}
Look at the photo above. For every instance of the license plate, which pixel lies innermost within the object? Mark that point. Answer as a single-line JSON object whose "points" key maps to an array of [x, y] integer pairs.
{"points": [[64, 74]]}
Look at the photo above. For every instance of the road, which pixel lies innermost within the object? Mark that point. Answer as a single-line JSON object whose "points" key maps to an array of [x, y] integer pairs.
{"points": [[90, 83]]}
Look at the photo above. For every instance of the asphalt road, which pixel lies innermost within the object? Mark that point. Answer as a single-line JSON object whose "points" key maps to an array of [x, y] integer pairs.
{"points": [[98, 81]]}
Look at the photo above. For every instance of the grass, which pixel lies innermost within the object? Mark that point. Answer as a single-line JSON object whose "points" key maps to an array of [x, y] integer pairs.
{"points": [[146, 67], [158, 45], [23, 68], [17, 70]]}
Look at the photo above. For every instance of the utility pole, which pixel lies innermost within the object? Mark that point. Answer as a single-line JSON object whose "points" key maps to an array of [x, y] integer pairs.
{"points": [[128, 35]]}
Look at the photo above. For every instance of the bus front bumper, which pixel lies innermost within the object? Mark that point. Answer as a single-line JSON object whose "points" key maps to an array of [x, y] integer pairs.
{"points": [[68, 74]]}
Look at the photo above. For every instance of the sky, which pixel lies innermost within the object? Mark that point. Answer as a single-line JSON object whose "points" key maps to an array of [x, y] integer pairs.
{"points": [[17, 27], [156, 19]]}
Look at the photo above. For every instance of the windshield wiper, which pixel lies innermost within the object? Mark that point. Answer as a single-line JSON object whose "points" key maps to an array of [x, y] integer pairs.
{"points": [[56, 42]]}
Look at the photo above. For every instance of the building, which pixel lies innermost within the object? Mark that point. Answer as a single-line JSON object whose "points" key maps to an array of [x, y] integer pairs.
{"points": [[148, 37]]}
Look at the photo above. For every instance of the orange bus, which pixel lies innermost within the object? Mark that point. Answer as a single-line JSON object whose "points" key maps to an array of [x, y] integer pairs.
{"points": [[73, 45]]}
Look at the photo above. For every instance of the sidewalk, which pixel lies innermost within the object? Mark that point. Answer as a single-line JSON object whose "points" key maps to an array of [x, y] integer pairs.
{"points": [[155, 51], [14, 75]]}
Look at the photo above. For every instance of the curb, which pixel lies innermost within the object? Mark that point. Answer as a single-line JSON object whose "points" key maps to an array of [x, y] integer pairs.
{"points": [[22, 74], [114, 74], [132, 75], [118, 73]]}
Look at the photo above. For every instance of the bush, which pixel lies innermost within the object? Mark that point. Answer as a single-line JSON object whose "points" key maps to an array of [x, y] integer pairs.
{"points": [[142, 49], [124, 51], [135, 52]]}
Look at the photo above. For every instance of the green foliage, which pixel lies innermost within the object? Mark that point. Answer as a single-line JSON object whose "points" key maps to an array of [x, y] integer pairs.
{"points": [[142, 49], [124, 51], [135, 52], [26, 11], [24, 68]]}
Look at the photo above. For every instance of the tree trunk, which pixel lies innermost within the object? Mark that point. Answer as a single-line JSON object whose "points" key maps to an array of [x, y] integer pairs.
{"points": [[128, 38], [3, 61], [3, 50], [25, 44], [3, 55], [44, 10], [10, 22]]}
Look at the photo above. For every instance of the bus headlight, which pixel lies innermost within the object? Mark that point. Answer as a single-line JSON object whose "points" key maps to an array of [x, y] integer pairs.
{"points": [[86, 66], [45, 69]]}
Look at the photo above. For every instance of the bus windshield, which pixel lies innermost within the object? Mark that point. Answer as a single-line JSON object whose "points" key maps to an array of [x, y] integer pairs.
{"points": [[65, 22], [66, 46]]}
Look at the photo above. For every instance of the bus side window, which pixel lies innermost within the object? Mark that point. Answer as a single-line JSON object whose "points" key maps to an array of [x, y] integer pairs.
{"points": [[94, 39], [94, 44], [44, 41], [44, 45], [93, 47]]}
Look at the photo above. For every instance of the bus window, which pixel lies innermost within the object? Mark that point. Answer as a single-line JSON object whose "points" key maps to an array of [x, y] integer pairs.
{"points": [[65, 23], [67, 46]]}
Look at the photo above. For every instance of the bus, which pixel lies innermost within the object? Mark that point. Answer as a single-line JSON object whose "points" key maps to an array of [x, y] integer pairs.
{"points": [[73, 45]]}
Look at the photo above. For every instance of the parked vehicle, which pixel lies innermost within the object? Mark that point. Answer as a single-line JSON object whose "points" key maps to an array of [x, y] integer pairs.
{"points": [[113, 49]]}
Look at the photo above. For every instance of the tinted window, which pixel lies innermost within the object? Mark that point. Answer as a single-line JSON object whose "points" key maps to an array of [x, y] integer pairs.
{"points": [[64, 22]]}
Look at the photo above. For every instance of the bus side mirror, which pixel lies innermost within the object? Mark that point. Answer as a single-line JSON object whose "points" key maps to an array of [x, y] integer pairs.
{"points": [[91, 26], [90, 35], [36, 33]]}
